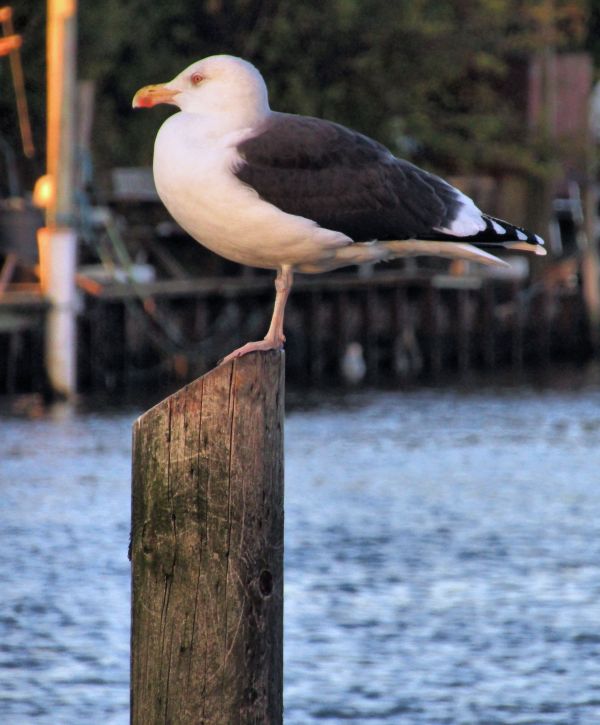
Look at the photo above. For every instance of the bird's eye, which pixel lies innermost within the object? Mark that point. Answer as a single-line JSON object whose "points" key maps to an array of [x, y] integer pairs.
{"points": [[196, 79]]}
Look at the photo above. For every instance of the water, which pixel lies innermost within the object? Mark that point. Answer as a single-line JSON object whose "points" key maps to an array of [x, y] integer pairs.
{"points": [[64, 612], [442, 561]]}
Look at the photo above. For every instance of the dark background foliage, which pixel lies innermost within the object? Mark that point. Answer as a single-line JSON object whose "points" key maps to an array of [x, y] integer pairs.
{"points": [[438, 82]]}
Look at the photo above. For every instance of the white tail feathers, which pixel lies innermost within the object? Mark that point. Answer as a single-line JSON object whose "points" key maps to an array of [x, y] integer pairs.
{"points": [[448, 250], [362, 253], [526, 247]]}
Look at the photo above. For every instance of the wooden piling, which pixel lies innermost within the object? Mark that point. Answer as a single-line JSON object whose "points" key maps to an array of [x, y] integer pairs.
{"points": [[207, 550]]}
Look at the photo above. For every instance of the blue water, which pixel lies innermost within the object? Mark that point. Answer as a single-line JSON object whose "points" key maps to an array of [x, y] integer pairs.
{"points": [[442, 561]]}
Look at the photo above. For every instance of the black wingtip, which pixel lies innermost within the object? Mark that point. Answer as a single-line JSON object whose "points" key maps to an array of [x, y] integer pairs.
{"points": [[498, 231]]}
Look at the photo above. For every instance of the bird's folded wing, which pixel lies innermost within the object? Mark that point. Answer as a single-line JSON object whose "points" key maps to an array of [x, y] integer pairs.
{"points": [[344, 180]]}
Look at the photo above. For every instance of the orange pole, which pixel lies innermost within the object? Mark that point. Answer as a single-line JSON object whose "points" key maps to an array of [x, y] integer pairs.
{"points": [[61, 64], [58, 239]]}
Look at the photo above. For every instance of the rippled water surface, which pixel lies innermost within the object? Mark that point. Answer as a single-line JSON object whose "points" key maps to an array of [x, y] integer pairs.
{"points": [[442, 561]]}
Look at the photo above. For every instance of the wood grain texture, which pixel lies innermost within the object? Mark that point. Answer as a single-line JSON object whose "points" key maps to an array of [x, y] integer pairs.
{"points": [[207, 550]]}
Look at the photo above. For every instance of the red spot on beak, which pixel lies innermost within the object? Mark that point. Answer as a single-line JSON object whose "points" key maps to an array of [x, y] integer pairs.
{"points": [[144, 102]]}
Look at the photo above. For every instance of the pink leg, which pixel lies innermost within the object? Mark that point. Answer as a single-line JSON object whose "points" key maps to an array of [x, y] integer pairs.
{"points": [[274, 338]]}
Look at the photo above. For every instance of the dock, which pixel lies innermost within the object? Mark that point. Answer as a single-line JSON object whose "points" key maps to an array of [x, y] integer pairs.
{"points": [[22, 314], [397, 326]]}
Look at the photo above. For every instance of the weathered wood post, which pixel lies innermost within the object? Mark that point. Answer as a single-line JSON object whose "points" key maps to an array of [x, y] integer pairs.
{"points": [[207, 550]]}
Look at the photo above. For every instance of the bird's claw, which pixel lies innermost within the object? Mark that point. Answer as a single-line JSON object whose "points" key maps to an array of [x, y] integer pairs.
{"points": [[259, 345]]}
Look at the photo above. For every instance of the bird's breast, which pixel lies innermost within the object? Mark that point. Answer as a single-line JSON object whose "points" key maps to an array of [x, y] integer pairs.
{"points": [[194, 177]]}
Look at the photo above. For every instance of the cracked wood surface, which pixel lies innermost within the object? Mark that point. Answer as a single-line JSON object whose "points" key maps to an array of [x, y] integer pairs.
{"points": [[207, 550]]}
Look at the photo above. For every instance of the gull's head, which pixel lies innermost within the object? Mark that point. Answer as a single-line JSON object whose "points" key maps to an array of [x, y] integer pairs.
{"points": [[219, 84]]}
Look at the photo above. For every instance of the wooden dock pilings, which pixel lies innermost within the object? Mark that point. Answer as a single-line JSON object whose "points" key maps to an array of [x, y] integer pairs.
{"points": [[407, 327], [207, 550]]}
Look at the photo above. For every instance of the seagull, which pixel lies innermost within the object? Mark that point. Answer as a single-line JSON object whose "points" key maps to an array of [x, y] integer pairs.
{"points": [[299, 194]]}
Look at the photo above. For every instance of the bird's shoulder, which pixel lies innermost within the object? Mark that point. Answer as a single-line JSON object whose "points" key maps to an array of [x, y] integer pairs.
{"points": [[286, 139]]}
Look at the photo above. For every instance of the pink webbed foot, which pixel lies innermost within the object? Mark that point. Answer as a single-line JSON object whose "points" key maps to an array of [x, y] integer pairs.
{"points": [[274, 338], [262, 345]]}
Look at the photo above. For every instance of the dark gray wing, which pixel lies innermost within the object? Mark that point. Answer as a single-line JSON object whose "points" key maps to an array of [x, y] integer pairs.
{"points": [[344, 181]]}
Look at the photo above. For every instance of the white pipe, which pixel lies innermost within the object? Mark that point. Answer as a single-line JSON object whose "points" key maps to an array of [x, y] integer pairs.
{"points": [[58, 261]]}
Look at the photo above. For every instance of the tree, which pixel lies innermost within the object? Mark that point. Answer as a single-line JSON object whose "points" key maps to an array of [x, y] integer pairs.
{"points": [[433, 80]]}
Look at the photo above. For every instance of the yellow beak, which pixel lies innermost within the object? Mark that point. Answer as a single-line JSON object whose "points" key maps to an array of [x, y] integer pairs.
{"points": [[149, 96]]}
